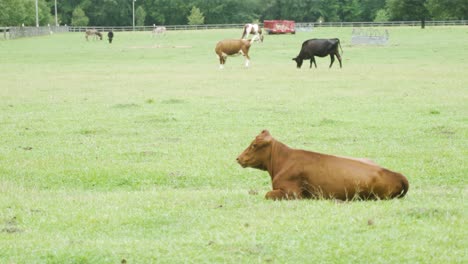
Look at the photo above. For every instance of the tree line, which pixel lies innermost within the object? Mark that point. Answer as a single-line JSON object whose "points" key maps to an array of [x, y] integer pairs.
{"points": [[182, 12]]}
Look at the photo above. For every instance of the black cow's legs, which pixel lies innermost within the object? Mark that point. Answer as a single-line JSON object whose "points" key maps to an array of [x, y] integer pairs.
{"points": [[312, 60], [339, 58], [332, 57]]}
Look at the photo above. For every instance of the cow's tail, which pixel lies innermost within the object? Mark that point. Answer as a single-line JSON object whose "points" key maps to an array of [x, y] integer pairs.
{"points": [[405, 187]]}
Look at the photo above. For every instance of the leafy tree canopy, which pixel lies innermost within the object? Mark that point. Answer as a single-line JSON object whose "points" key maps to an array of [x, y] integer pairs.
{"points": [[79, 18], [177, 12], [196, 17]]}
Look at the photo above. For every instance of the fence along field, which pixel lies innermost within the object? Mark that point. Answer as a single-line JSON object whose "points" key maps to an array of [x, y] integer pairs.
{"points": [[126, 151], [16, 32]]}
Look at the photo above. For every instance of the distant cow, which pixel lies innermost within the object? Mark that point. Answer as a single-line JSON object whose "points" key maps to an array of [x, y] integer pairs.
{"points": [[110, 36], [297, 174], [159, 31], [231, 47], [253, 29], [93, 32], [321, 48]]}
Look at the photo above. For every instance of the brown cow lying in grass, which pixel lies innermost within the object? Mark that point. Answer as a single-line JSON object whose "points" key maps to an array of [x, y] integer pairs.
{"points": [[231, 47], [298, 174]]}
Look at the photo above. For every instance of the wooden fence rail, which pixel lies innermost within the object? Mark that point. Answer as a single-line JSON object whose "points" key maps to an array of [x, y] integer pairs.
{"points": [[298, 24]]}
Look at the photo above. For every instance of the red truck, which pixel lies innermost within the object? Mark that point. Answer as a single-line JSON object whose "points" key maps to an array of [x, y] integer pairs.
{"points": [[279, 26]]}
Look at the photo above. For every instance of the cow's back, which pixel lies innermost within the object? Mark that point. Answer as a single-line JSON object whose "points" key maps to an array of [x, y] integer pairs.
{"points": [[232, 46], [319, 47], [344, 178]]}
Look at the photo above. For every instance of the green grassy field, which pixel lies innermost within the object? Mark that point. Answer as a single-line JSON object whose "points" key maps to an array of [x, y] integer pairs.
{"points": [[127, 151]]}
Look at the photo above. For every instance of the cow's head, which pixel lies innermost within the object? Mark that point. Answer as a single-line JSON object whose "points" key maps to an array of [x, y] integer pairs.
{"points": [[260, 37], [298, 61], [260, 32], [258, 153]]}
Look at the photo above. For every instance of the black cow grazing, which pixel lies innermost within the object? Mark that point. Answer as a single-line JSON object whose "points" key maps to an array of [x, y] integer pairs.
{"points": [[320, 48], [110, 36]]}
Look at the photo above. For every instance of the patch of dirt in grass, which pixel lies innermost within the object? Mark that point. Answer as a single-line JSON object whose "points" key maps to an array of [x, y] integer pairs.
{"points": [[175, 174], [160, 118], [421, 212], [143, 156], [26, 148], [442, 130], [148, 153], [124, 105], [173, 101], [327, 121], [88, 132], [11, 226], [11, 229], [253, 192]]}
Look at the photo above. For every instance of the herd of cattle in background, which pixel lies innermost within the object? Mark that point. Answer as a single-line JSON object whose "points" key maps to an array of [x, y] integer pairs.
{"points": [[95, 34], [310, 48], [298, 174], [231, 47]]}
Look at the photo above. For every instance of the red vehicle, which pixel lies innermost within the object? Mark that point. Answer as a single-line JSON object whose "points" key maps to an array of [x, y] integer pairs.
{"points": [[279, 26]]}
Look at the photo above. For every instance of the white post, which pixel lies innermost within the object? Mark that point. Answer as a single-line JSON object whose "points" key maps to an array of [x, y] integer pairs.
{"points": [[37, 15], [133, 8], [56, 20]]}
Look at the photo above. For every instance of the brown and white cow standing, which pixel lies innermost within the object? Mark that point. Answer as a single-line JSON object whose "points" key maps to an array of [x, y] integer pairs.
{"points": [[297, 174], [253, 29], [232, 47]]}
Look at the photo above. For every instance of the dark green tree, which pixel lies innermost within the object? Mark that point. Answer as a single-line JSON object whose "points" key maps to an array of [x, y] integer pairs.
{"points": [[167, 12], [140, 16], [448, 9], [79, 18], [12, 13], [229, 11], [301, 10], [65, 10], [24, 12], [329, 10], [350, 11], [196, 17], [109, 12], [270, 10], [29, 13], [381, 16], [45, 16], [408, 10], [171, 12], [370, 8]]}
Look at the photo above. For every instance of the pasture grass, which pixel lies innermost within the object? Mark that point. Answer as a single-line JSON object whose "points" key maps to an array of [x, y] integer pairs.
{"points": [[126, 151]]}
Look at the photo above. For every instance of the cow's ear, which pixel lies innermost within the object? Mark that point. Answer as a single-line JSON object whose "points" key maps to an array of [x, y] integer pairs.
{"points": [[263, 138], [265, 132], [267, 137]]}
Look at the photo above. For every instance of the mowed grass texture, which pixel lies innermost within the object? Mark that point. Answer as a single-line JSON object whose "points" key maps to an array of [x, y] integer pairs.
{"points": [[126, 151]]}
